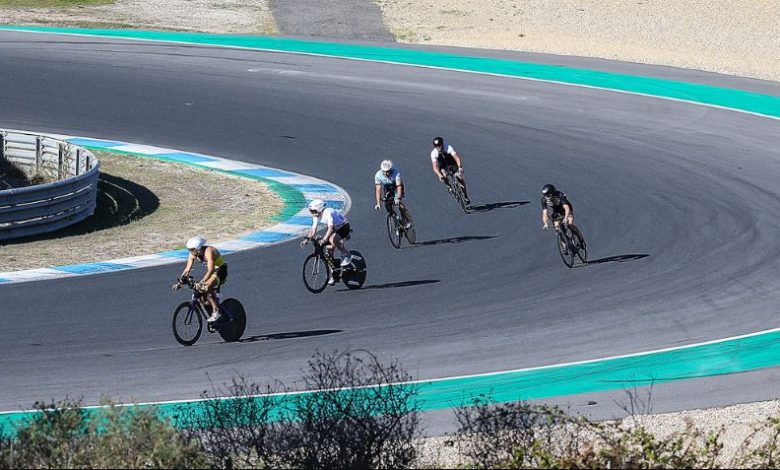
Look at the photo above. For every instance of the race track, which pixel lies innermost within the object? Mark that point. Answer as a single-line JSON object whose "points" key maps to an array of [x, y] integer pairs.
{"points": [[678, 203]]}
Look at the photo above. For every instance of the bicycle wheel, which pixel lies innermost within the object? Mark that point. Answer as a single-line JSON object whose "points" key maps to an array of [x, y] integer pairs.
{"points": [[457, 191], [410, 233], [315, 273], [565, 249], [187, 323], [234, 327], [582, 249], [394, 229], [355, 277]]}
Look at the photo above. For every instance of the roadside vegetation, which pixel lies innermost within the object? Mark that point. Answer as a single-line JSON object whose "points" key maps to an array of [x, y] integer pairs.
{"points": [[353, 424], [147, 206]]}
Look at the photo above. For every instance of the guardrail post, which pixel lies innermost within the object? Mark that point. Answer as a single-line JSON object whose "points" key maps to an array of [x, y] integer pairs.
{"points": [[38, 151], [2, 145], [60, 158], [87, 167], [78, 160]]}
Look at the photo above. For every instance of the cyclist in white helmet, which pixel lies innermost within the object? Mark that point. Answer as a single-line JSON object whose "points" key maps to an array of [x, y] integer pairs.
{"points": [[216, 271], [388, 181], [447, 161], [337, 232]]}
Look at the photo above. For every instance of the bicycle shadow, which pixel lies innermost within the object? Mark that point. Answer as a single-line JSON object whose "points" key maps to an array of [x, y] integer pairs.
{"points": [[618, 258], [288, 335], [452, 240], [394, 285], [496, 205]]}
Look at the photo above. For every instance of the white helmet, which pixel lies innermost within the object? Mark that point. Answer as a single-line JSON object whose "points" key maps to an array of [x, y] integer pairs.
{"points": [[317, 205], [386, 165], [196, 243]]}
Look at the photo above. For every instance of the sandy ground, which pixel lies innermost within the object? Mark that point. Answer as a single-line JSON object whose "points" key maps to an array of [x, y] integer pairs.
{"points": [[212, 16], [737, 37]]}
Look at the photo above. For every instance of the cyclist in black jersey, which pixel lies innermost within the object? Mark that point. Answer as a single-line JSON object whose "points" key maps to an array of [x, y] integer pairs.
{"points": [[447, 161], [556, 207]]}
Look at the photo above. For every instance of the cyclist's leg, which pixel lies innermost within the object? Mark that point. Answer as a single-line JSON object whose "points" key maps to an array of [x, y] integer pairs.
{"points": [[211, 294]]}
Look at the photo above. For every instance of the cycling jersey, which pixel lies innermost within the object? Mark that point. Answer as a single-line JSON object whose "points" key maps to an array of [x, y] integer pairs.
{"points": [[220, 267], [554, 204], [444, 159], [329, 216], [388, 180]]}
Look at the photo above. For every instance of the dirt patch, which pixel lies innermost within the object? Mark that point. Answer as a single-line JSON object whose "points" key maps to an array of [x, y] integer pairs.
{"points": [[213, 16], [738, 37], [147, 206]]}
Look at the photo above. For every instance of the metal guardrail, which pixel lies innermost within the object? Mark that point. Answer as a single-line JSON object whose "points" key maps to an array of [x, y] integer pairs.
{"points": [[43, 208]]}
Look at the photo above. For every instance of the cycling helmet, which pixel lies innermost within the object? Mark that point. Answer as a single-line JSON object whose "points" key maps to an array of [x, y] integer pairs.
{"points": [[438, 141], [548, 190], [386, 165], [196, 243], [316, 205]]}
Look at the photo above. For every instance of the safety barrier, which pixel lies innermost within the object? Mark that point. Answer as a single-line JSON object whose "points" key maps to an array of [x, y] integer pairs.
{"points": [[68, 198]]}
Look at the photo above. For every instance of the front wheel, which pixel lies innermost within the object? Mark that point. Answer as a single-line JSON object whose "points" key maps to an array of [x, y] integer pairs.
{"points": [[235, 323], [187, 323], [565, 249], [315, 273], [394, 229]]}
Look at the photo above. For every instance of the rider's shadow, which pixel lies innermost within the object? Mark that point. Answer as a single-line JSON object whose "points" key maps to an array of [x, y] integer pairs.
{"points": [[487, 207], [618, 258], [288, 335]]}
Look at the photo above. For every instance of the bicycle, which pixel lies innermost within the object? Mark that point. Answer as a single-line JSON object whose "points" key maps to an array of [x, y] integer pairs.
{"points": [[456, 189], [189, 316], [318, 267], [571, 243], [396, 225]]}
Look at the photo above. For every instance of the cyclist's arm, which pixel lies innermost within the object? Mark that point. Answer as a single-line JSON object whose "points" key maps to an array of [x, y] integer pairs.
{"points": [[399, 191], [457, 159], [566, 211], [436, 169], [313, 228], [378, 193], [545, 218], [328, 233], [188, 266]]}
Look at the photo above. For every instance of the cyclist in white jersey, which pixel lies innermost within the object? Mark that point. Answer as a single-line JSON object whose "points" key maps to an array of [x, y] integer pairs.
{"points": [[388, 180], [338, 230], [447, 162]]}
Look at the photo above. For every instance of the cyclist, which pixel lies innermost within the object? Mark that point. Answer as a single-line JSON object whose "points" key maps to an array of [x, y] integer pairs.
{"points": [[447, 162], [389, 185], [216, 271], [557, 207], [337, 232]]}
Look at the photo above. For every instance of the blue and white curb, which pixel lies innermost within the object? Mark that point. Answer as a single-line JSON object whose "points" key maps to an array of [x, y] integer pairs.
{"points": [[296, 226]]}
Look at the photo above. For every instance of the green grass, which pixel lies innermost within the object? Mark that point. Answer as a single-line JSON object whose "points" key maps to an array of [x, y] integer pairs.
{"points": [[51, 3]]}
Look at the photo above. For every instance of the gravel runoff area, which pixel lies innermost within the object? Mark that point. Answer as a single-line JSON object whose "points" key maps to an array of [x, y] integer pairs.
{"points": [[147, 206], [738, 37]]}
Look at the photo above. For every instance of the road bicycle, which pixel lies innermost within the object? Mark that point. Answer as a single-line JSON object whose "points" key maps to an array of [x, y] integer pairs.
{"points": [[399, 227], [188, 318], [571, 243], [457, 190], [318, 267]]}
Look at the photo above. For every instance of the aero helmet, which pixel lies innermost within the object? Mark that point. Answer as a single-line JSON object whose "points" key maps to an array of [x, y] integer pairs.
{"points": [[386, 165], [317, 205], [548, 189], [438, 141], [196, 243]]}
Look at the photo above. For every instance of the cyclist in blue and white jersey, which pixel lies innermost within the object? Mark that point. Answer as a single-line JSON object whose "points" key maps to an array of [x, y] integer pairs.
{"points": [[448, 161], [390, 189]]}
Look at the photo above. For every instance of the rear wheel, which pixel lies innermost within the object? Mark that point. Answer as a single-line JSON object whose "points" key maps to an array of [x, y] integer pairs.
{"points": [[187, 323], [355, 276], [394, 229], [234, 326], [315, 273], [565, 249], [582, 249]]}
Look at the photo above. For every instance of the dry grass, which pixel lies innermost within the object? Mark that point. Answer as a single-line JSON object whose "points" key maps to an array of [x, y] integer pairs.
{"points": [[147, 206]]}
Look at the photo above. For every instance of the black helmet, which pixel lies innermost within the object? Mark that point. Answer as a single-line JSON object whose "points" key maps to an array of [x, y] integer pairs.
{"points": [[438, 141], [548, 189]]}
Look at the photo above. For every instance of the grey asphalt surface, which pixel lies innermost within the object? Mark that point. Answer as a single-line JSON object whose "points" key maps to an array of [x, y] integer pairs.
{"points": [[342, 19], [677, 202]]}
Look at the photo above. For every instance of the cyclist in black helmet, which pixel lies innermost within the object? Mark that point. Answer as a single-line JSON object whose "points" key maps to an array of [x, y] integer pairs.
{"points": [[556, 207], [448, 161]]}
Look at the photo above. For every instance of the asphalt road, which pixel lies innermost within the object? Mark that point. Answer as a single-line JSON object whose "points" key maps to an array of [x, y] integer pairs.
{"points": [[677, 202]]}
